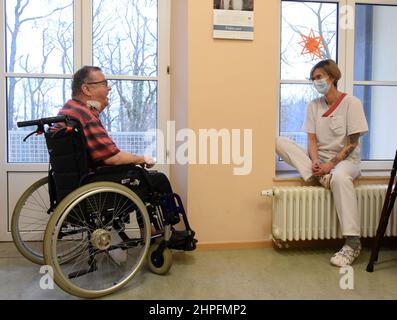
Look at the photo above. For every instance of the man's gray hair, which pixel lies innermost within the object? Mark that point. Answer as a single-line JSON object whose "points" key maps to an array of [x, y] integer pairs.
{"points": [[80, 77]]}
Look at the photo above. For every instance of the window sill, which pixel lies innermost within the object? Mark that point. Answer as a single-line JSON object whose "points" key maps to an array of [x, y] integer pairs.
{"points": [[366, 176]]}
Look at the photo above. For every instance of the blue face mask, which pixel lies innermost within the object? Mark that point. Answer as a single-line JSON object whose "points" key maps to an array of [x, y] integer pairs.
{"points": [[321, 85]]}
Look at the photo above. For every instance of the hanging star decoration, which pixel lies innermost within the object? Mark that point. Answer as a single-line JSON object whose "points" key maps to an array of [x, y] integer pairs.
{"points": [[312, 45]]}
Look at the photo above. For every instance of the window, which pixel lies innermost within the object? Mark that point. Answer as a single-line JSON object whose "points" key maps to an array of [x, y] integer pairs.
{"points": [[39, 56], [375, 76], [296, 91], [125, 45], [47, 40], [364, 52]]}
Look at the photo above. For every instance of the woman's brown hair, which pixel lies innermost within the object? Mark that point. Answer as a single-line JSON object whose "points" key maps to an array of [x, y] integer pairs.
{"points": [[330, 67]]}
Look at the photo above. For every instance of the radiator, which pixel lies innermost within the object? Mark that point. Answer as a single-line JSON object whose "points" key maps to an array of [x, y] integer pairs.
{"points": [[308, 213]]}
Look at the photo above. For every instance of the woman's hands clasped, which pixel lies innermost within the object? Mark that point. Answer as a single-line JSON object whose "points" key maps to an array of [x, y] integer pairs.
{"points": [[319, 169]]}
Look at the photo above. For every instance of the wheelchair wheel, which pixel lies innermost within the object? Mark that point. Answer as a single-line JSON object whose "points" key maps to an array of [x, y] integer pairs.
{"points": [[29, 221], [110, 224], [159, 264]]}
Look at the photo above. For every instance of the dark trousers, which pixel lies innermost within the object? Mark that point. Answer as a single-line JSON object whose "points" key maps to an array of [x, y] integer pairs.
{"points": [[159, 182]]}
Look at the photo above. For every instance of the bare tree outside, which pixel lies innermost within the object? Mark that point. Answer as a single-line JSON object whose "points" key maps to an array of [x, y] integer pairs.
{"points": [[32, 48], [40, 40], [299, 18], [126, 44]]}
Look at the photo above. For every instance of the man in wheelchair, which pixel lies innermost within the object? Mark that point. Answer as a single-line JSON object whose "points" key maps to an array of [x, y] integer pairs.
{"points": [[106, 162], [104, 213], [90, 91]]}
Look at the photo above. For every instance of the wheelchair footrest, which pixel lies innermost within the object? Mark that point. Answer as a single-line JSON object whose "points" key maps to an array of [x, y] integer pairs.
{"points": [[182, 240]]}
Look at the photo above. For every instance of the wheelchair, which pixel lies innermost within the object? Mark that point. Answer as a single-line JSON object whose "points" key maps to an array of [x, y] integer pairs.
{"points": [[101, 224]]}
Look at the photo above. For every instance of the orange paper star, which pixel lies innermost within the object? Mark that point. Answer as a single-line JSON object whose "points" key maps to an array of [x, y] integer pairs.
{"points": [[312, 45]]}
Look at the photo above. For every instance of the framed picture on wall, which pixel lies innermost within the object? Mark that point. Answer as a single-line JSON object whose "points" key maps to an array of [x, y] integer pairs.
{"points": [[234, 19]]}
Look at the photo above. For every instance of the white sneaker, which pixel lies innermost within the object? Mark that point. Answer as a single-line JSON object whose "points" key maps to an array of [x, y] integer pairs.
{"points": [[325, 181], [345, 256]]}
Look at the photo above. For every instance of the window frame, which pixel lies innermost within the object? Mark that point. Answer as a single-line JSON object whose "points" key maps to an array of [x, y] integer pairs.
{"points": [[346, 83], [82, 16]]}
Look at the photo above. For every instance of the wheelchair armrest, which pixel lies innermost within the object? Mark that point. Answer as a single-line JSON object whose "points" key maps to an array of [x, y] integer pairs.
{"points": [[106, 171], [121, 168], [116, 170]]}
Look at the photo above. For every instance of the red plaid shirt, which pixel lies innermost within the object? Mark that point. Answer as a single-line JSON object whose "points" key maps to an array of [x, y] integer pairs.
{"points": [[100, 145]]}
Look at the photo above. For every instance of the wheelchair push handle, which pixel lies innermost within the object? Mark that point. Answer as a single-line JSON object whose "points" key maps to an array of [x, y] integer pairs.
{"points": [[40, 124], [42, 121]]}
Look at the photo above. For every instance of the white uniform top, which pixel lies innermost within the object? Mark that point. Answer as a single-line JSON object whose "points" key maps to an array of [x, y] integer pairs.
{"points": [[332, 131]]}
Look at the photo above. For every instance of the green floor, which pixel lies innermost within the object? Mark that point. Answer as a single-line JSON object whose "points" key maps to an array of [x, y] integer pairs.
{"points": [[228, 274]]}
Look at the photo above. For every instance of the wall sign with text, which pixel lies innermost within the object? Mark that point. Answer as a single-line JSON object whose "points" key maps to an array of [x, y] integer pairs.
{"points": [[234, 19]]}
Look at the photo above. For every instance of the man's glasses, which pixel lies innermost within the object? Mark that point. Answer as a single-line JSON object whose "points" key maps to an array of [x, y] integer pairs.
{"points": [[104, 82]]}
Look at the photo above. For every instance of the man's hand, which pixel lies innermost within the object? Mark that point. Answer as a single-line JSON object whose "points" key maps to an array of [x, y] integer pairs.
{"points": [[149, 162]]}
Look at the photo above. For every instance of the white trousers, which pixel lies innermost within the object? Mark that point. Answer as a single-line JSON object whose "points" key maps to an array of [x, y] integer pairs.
{"points": [[342, 185], [235, 4]]}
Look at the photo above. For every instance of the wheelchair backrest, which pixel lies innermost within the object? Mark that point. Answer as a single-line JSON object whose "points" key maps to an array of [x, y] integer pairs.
{"points": [[68, 157]]}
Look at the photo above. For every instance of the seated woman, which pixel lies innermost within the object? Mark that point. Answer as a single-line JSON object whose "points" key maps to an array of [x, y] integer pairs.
{"points": [[334, 124]]}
